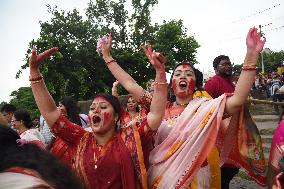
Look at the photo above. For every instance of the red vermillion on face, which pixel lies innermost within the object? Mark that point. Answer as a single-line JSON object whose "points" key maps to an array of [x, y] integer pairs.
{"points": [[183, 81], [102, 116]]}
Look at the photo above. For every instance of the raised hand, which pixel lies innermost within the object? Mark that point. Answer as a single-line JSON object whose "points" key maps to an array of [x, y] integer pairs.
{"points": [[155, 58], [254, 42], [115, 84], [105, 46], [35, 59]]}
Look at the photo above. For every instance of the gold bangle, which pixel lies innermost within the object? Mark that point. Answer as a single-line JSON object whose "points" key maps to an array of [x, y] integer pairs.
{"points": [[37, 81], [249, 68], [160, 83], [38, 78]]}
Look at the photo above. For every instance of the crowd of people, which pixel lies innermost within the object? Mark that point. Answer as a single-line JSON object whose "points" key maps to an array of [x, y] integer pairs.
{"points": [[180, 134]]}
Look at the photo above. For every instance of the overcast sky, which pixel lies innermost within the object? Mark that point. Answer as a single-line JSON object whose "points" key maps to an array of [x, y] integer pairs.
{"points": [[219, 26]]}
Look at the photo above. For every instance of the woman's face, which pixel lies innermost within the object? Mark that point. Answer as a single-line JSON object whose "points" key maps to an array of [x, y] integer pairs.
{"points": [[183, 81], [131, 104], [62, 108], [102, 116], [17, 124]]}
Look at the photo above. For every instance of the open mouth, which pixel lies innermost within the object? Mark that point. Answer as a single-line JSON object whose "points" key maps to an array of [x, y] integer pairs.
{"points": [[96, 119], [182, 84]]}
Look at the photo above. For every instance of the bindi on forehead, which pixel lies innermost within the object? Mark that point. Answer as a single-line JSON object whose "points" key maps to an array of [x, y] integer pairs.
{"points": [[185, 66], [100, 100]]}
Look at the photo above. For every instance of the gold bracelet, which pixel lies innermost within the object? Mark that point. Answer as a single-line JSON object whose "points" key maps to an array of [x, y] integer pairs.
{"points": [[37, 81], [36, 78], [249, 68], [160, 83]]}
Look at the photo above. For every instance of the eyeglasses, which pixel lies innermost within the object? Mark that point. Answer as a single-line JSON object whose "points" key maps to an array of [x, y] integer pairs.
{"points": [[225, 65]]}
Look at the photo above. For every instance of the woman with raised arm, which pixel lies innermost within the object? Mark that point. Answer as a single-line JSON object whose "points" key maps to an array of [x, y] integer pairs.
{"points": [[191, 125], [107, 157]]}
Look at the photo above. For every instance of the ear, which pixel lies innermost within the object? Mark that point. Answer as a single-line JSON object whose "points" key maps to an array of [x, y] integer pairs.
{"points": [[216, 71]]}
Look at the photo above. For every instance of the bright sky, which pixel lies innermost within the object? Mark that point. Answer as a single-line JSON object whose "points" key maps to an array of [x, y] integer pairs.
{"points": [[219, 26]]}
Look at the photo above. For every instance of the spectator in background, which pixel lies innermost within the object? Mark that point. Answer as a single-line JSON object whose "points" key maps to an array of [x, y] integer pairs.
{"points": [[45, 132], [275, 85], [217, 85], [22, 122], [8, 110], [35, 121], [280, 69], [222, 82]]}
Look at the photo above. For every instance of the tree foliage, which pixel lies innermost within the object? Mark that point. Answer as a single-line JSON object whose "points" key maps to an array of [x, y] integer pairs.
{"points": [[271, 60], [23, 99], [80, 72]]}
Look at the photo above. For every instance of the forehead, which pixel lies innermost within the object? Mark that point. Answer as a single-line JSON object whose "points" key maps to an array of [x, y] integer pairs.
{"points": [[131, 98], [225, 61], [100, 100], [184, 67]]}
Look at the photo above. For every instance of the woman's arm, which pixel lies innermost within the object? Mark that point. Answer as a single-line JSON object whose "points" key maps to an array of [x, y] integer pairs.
{"points": [[123, 77], [254, 47], [43, 99], [158, 103]]}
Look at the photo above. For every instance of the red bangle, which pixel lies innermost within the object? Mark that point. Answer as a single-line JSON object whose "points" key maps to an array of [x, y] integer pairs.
{"points": [[36, 78], [111, 61]]}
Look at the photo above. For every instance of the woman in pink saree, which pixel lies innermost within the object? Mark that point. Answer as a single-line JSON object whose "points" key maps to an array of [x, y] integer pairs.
{"points": [[192, 127], [276, 154]]}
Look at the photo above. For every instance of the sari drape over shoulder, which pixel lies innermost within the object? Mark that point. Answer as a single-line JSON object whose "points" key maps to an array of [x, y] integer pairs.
{"points": [[185, 144]]}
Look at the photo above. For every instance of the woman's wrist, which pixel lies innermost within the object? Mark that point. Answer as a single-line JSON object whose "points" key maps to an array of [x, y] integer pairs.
{"points": [[107, 58], [35, 73]]}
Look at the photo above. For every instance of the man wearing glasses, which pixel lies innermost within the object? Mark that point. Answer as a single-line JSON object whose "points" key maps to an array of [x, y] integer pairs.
{"points": [[217, 85]]}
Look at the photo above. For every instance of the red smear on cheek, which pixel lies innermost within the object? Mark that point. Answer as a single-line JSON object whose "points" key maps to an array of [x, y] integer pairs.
{"points": [[191, 86], [106, 116], [174, 85]]}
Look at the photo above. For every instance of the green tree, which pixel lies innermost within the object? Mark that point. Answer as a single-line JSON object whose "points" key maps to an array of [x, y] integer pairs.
{"points": [[271, 60], [80, 72], [23, 99]]}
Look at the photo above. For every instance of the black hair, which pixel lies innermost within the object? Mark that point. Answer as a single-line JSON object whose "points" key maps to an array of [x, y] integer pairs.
{"points": [[113, 100], [8, 108], [35, 117], [218, 59], [32, 157], [198, 82], [23, 115], [72, 109]]}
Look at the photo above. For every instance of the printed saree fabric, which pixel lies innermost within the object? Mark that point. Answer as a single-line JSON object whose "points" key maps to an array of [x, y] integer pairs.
{"points": [[277, 147], [181, 152], [241, 145], [118, 164]]}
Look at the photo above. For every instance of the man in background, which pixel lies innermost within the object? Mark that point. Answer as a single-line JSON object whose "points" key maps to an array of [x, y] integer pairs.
{"points": [[217, 85]]}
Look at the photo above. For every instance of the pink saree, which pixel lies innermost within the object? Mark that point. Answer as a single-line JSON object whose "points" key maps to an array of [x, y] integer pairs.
{"points": [[277, 146], [185, 144]]}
